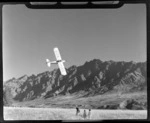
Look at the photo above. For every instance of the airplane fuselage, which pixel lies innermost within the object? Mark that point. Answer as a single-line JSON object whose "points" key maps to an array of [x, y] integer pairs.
{"points": [[56, 62]]}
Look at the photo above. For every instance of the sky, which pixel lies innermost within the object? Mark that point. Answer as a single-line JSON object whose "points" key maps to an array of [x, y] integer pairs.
{"points": [[29, 36]]}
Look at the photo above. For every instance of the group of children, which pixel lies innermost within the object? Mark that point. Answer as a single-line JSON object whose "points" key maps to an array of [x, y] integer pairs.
{"points": [[85, 115]]}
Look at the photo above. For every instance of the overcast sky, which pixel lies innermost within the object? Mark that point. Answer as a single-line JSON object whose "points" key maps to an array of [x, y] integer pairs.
{"points": [[29, 37]]}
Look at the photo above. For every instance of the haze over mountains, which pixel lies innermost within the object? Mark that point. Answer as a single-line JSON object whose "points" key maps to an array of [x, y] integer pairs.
{"points": [[90, 79]]}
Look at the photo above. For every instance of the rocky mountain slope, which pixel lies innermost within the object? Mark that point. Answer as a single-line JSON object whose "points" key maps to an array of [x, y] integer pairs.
{"points": [[92, 78]]}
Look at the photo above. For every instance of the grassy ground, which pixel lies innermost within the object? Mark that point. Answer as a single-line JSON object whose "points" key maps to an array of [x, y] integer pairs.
{"points": [[18, 113], [70, 101]]}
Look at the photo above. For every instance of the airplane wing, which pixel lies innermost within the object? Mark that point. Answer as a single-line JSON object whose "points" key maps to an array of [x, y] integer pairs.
{"points": [[62, 68], [57, 54]]}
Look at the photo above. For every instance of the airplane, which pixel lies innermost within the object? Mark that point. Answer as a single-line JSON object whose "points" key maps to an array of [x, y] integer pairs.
{"points": [[58, 61]]}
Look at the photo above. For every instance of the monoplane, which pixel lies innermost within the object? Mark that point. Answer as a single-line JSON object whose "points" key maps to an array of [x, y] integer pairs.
{"points": [[58, 61]]}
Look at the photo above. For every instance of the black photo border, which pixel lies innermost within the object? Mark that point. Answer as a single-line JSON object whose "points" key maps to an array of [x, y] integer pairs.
{"points": [[84, 6]]}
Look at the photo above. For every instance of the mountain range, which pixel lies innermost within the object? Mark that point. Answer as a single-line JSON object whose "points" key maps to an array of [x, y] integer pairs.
{"points": [[94, 77]]}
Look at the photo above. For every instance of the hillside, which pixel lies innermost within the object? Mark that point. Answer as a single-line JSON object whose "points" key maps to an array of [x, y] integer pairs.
{"points": [[92, 78]]}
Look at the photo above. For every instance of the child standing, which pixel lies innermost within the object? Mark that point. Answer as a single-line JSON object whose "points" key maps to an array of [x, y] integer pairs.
{"points": [[77, 111], [84, 114], [89, 114]]}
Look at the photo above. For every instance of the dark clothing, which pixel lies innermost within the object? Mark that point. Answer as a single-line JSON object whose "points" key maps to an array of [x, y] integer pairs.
{"points": [[77, 110]]}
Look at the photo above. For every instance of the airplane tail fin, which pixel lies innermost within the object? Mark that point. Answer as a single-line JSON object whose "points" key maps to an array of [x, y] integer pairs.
{"points": [[48, 62]]}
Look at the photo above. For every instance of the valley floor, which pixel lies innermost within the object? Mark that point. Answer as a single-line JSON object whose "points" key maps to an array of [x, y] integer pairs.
{"points": [[24, 113]]}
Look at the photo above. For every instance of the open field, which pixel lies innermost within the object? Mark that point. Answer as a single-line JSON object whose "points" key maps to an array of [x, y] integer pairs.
{"points": [[24, 113], [93, 102]]}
